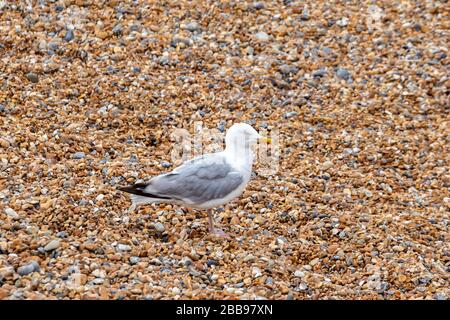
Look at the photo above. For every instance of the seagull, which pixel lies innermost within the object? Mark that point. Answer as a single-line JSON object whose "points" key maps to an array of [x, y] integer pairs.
{"points": [[207, 181]]}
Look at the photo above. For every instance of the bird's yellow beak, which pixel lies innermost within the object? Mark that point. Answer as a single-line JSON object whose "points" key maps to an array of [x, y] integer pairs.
{"points": [[265, 139]]}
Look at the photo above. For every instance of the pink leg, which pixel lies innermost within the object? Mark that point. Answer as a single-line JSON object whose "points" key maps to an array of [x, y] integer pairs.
{"points": [[214, 230]]}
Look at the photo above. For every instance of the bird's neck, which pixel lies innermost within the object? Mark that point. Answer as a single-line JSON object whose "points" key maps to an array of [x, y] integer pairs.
{"points": [[240, 154]]}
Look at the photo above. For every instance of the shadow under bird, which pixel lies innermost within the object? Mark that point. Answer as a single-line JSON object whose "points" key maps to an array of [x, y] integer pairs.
{"points": [[207, 181]]}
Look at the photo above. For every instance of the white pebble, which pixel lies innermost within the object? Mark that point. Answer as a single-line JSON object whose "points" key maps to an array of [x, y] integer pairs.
{"points": [[256, 272], [11, 213], [299, 274]]}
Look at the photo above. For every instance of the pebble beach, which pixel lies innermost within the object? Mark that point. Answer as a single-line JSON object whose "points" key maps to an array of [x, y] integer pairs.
{"points": [[356, 91]]}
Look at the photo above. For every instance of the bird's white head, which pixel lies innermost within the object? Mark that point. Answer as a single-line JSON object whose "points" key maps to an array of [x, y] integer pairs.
{"points": [[241, 137]]}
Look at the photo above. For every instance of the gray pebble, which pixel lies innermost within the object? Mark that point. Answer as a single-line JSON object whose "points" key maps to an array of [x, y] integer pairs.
{"points": [[327, 50], [134, 260], [69, 35], [2, 108], [62, 234], [117, 30], [166, 164], [440, 296], [79, 155], [33, 77], [383, 286], [192, 26], [287, 69], [281, 240], [222, 126], [343, 74], [319, 73], [134, 159], [166, 270], [134, 27], [186, 261], [159, 227], [212, 262], [259, 5], [290, 114], [164, 60], [305, 14], [53, 46], [299, 274], [177, 40], [28, 268]]}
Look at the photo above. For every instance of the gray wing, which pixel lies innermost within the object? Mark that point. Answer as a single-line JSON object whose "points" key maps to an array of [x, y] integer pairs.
{"points": [[197, 181]]}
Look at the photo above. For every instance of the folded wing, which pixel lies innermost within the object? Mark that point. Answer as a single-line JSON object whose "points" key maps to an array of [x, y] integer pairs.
{"points": [[197, 181]]}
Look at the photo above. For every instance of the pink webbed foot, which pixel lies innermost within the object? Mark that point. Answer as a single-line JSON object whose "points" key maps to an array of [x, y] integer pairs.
{"points": [[220, 233]]}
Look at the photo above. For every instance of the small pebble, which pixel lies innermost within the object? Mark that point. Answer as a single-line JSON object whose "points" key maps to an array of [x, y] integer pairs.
{"points": [[343, 74], [313, 262], [262, 36], [32, 77], [287, 69], [62, 234], [11, 213], [134, 260], [342, 22], [299, 274], [117, 30], [69, 35], [290, 114], [52, 245], [166, 164], [212, 262], [259, 5], [28, 268], [79, 155], [159, 227], [319, 73], [192, 26], [123, 247], [256, 272]]}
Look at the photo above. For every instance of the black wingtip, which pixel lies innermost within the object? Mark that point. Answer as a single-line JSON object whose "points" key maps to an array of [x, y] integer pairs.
{"points": [[139, 189], [136, 188], [129, 189]]}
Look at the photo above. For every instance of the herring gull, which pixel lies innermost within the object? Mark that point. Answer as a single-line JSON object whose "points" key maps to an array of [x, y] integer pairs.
{"points": [[207, 181]]}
